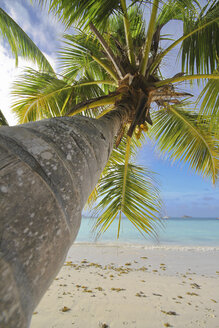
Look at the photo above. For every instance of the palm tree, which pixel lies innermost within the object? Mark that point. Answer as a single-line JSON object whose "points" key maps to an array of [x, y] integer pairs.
{"points": [[111, 73], [103, 70]]}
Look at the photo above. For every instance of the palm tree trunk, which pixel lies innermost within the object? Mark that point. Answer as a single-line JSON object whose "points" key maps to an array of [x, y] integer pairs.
{"points": [[48, 169]]}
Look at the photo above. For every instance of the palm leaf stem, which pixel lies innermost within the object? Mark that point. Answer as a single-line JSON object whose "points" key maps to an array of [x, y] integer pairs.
{"points": [[109, 82], [65, 103], [200, 136], [149, 37], [106, 67], [27, 112], [127, 155], [107, 110], [108, 51], [185, 78], [128, 34], [92, 103], [174, 44]]}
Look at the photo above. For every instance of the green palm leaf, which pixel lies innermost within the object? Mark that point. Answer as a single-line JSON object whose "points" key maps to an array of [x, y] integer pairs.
{"points": [[140, 206], [83, 52], [20, 42], [193, 29], [176, 10], [182, 135], [116, 34], [82, 12], [39, 95], [3, 120], [209, 102], [139, 202], [80, 56], [200, 51]]}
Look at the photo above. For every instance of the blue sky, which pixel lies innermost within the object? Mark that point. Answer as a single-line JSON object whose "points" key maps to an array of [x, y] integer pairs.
{"points": [[183, 192]]}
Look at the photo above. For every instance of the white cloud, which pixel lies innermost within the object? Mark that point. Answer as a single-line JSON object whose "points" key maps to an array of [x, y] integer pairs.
{"points": [[8, 74], [42, 27], [18, 12]]}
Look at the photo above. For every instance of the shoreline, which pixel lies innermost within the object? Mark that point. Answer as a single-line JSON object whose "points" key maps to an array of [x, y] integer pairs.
{"points": [[136, 287], [147, 246]]}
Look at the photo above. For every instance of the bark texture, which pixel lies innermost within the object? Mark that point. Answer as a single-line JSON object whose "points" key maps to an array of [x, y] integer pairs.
{"points": [[47, 171]]}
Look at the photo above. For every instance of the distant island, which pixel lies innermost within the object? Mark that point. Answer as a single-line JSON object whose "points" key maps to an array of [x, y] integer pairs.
{"points": [[165, 217], [186, 217]]}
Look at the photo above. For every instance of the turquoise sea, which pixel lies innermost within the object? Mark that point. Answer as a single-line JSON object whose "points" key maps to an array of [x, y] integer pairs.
{"points": [[172, 232]]}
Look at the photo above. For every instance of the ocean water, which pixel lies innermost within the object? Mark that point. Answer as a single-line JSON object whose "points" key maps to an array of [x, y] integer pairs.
{"points": [[172, 232]]}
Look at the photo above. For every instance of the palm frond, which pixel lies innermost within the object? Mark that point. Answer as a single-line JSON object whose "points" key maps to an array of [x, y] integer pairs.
{"points": [[3, 120], [138, 202], [149, 37], [87, 87], [117, 157], [20, 43], [187, 78], [83, 52], [201, 27], [82, 12], [39, 95], [108, 51], [209, 102], [125, 174], [137, 22], [94, 103], [176, 10], [116, 35], [182, 135], [128, 36], [80, 56], [201, 50]]}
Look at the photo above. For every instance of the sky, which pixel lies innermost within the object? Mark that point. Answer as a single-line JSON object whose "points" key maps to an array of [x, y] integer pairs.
{"points": [[183, 192]]}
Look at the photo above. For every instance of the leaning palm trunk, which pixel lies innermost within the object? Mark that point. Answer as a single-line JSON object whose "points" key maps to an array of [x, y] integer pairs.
{"points": [[48, 170]]}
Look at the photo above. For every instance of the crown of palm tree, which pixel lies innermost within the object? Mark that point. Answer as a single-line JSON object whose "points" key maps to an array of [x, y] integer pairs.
{"points": [[112, 61]]}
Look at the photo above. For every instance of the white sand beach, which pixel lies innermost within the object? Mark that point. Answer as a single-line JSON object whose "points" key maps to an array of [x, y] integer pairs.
{"points": [[133, 286]]}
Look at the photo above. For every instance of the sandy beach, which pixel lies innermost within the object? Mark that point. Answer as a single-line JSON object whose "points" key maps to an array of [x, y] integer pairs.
{"points": [[133, 286]]}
